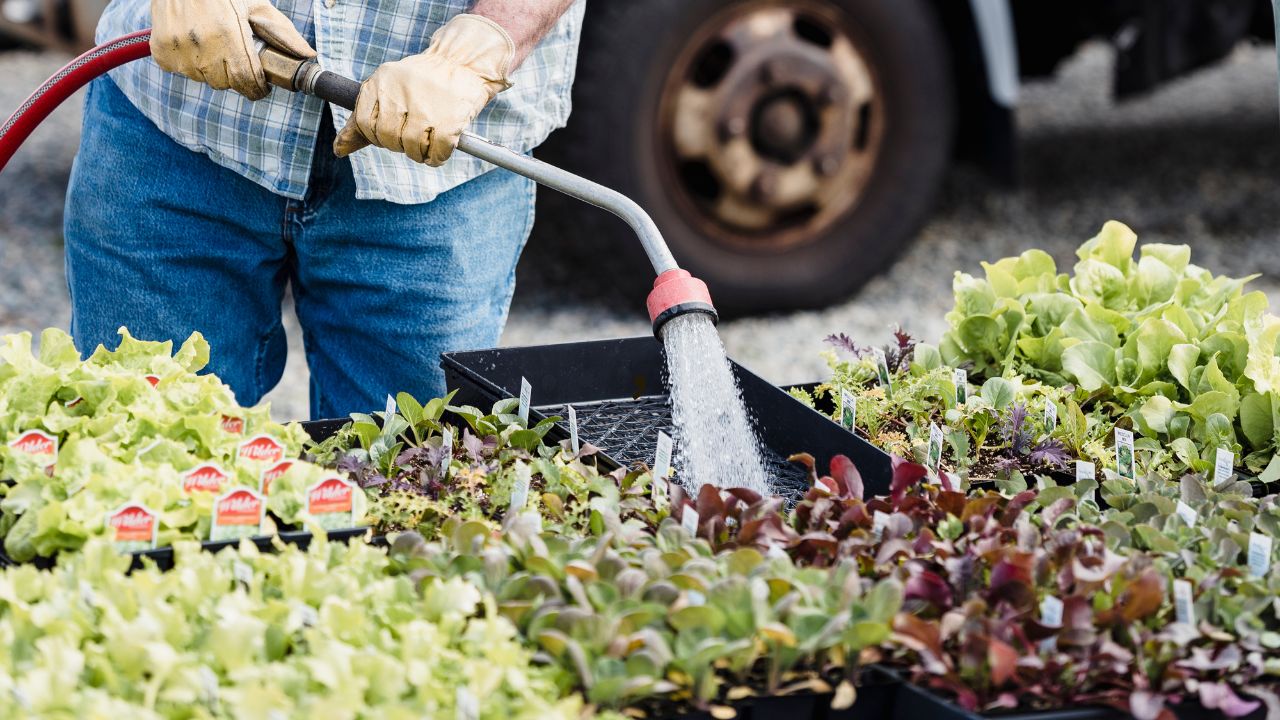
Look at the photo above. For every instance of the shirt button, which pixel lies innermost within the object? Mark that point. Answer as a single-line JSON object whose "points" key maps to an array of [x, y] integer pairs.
{"points": [[330, 3]]}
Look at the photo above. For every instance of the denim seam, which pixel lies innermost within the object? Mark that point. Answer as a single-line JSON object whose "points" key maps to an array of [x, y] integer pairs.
{"points": [[260, 359]]}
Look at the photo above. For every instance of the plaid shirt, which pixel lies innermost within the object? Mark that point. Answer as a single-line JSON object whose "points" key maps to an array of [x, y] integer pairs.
{"points": [[272, 141]]}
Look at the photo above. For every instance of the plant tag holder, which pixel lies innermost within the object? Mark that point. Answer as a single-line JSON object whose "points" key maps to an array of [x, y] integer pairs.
{"points": [[271, 474], [388, 411], [848, 410], [466, 705], [574, 443], [961, 378], [1184, 602], [133, 527], [446, 451], [1125, 464], [882, 372], [1050, 616], [689, 520], [935, 448], [1224, 466], [261, 448], [1187, 513], [520, 489], [237, 514], [1259, 554], [37, 443], [879, 523], [207, 477], [331, 503], [526, 396]]}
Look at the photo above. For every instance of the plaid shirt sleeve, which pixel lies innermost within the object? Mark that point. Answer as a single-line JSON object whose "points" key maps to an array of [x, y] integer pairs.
{"points": [[272, 141]]}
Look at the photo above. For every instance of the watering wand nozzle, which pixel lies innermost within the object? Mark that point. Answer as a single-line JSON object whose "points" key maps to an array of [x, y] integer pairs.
{"points": [[675, 292]]}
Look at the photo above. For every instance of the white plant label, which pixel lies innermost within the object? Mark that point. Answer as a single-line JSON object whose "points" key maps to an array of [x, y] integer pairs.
{"points": [[520, 491], [1051, 611], [1187, 513], [306, 615], [1050, 416], [1259, 554], [848, 410], [1125, 465], [689, 520], [1087, 471], [961, 377], [879, 523], [662, 458], [1050, 616], [388, 411], [882, 372], [526, 394], [935, 447], [1184, 602], [573, 430], [446, 445], [1224, 466], [467, 706]]}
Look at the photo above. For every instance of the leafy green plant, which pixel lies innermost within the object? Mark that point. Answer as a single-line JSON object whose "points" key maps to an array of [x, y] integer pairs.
{"points": [[661, 617], [1185, 356], [333, 631], [998, 431], [124, 426]]}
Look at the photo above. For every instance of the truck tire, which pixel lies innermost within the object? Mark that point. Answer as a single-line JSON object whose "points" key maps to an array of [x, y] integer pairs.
{"points": [[788, 151]]}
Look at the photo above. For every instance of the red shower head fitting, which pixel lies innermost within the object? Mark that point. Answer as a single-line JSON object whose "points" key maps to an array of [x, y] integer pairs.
{"points": [[676, 292]]}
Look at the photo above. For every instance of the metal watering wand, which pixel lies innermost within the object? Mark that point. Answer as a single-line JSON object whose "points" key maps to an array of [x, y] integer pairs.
{"points": [[675, 291]]}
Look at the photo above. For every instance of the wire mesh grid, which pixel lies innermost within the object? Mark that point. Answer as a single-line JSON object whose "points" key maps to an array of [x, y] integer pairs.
{"points": [[627, 431]]}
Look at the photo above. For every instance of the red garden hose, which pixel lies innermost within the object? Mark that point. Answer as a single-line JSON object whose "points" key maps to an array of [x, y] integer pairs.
{"points": [[73, 76]]}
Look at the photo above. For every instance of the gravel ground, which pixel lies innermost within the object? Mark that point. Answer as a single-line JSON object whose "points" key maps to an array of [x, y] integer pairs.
{"points": [[1198, 163]]}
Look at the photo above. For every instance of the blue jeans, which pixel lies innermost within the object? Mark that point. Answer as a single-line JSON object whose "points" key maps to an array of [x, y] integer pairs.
{"points": [[165, 242]]}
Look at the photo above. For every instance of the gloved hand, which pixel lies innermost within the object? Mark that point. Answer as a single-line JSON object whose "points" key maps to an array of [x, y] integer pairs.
{"points": [[212, 41], [420, 105]]}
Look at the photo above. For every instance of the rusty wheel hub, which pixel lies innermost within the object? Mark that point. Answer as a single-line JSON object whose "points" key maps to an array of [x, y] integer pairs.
{"points": [[770, 124]]}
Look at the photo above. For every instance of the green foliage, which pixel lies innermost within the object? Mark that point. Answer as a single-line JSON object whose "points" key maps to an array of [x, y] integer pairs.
{"points": [[335, 631], [128, 424], [1179, 351]]}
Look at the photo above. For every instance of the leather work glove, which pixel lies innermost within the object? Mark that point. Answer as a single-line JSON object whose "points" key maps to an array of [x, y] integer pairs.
{"points": [[420, 105], [211, 41]]}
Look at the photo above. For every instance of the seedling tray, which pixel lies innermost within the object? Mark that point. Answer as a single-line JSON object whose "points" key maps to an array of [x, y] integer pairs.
{"points": [[163, 556], [914, 702], [877, 690], [619, 390]]}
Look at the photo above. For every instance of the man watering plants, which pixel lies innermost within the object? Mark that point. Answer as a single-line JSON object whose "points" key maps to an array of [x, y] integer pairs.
{"points": [[197, 196]]}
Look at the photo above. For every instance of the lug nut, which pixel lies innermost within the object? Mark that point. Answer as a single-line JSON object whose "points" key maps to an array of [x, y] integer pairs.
{"points": [[732, 127], [764, 187], [827, 95], [768, 73], [827, 166]]}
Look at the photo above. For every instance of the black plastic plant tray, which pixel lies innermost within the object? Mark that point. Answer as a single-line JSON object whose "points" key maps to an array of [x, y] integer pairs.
{"points": [[163, 556], [914, 702], [876, 695], [618, 388]]}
